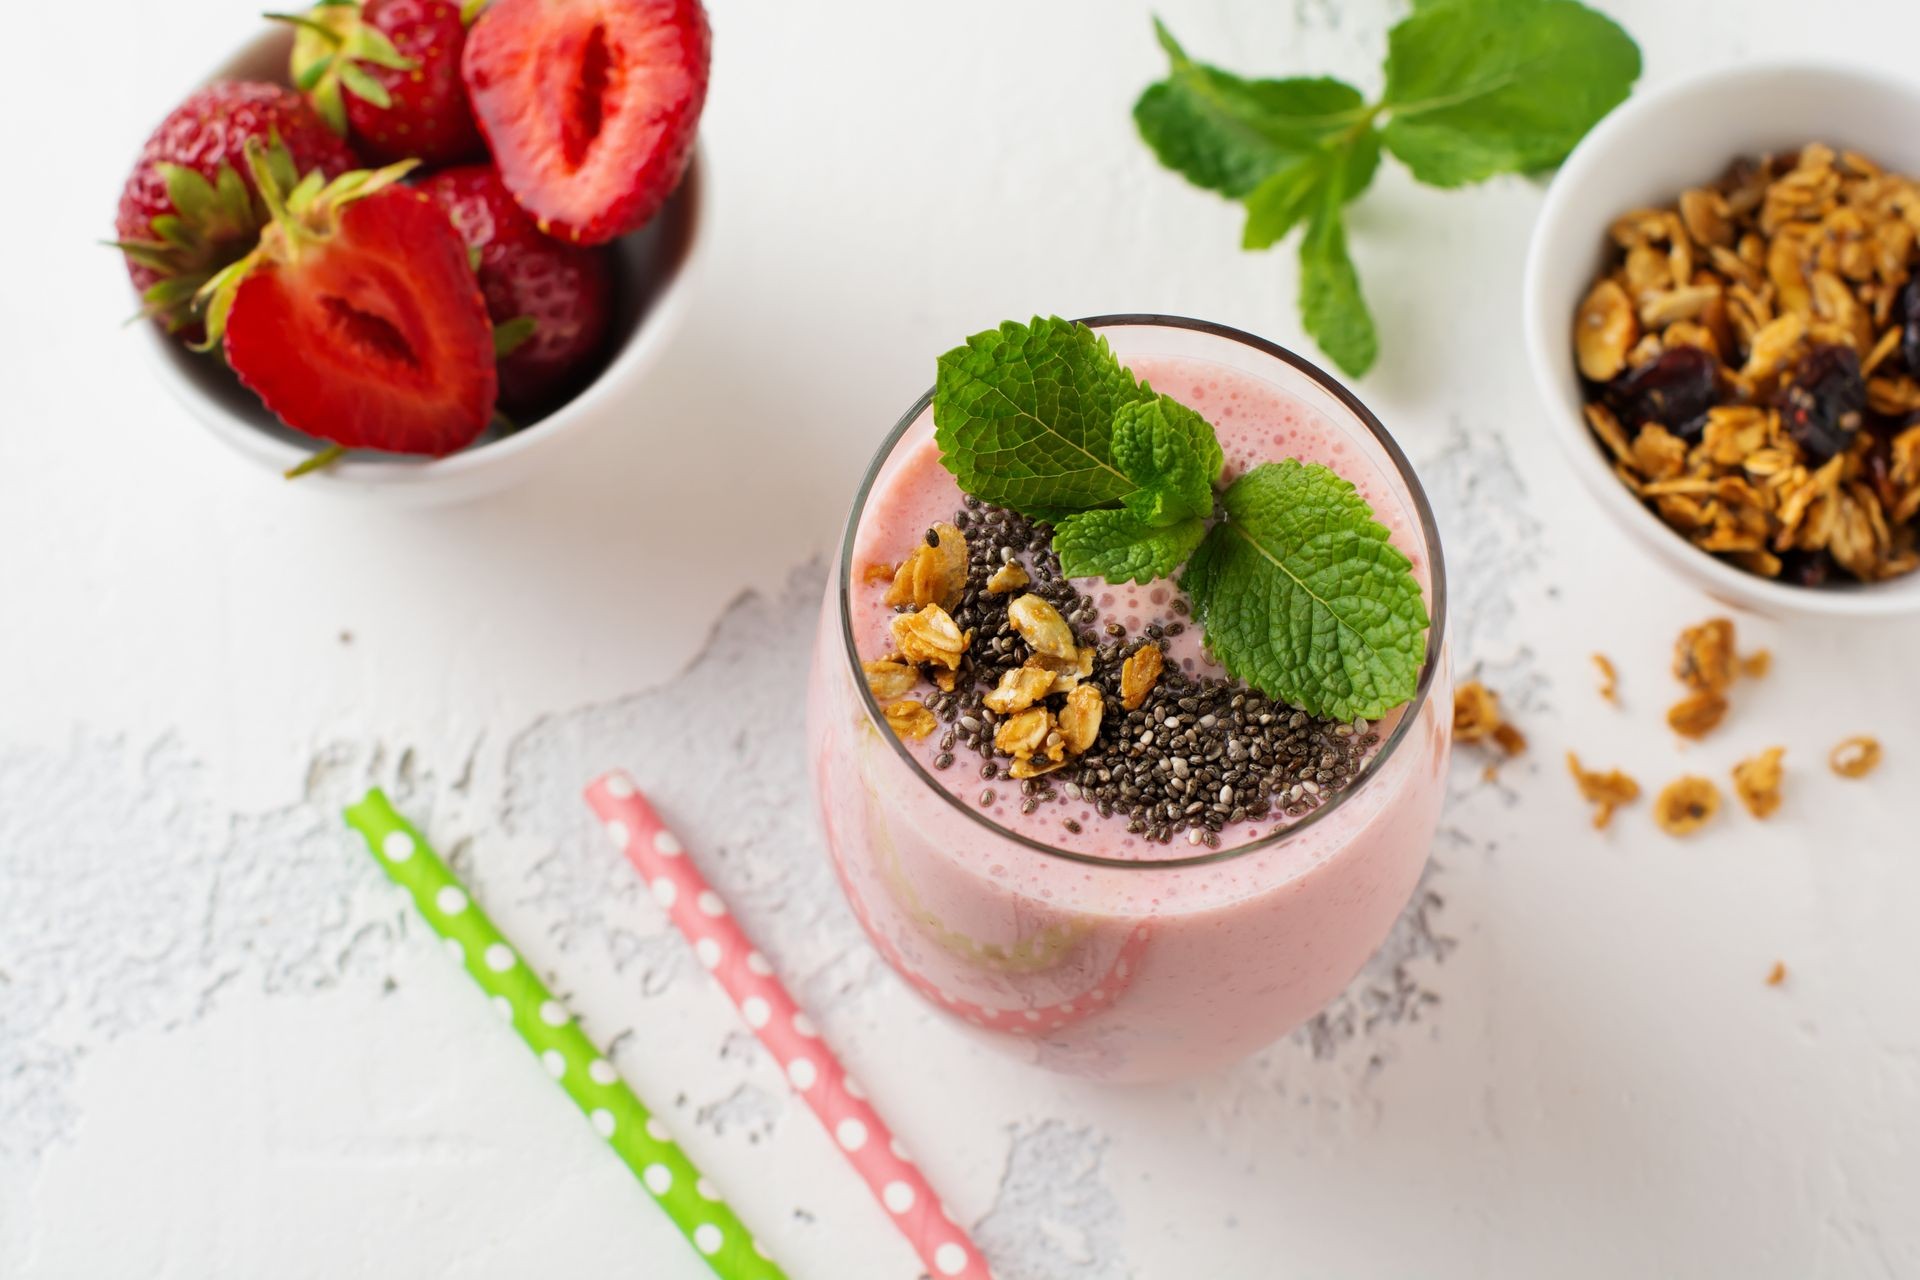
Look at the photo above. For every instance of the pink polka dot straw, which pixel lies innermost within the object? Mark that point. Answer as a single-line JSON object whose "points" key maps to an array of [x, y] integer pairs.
{"points": [[789, 1035]]}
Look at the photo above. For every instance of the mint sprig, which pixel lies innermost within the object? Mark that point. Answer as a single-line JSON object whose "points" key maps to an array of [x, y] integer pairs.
{"points": [[1293, 580], [1474, 89]]}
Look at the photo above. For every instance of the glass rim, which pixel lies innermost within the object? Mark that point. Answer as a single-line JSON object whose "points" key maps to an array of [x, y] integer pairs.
{"points": [[1436, 609]]}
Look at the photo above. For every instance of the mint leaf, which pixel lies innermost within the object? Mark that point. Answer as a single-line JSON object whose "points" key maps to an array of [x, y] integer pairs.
{"points": [[1024, 417], [1303, 597], [1331, 306], [1228, 134], [1122, 547], [1172, 453], [1280, 203], [1483, 87]]}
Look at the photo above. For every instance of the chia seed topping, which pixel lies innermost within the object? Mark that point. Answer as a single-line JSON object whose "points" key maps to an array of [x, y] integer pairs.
{"points": [[1197, 755]]}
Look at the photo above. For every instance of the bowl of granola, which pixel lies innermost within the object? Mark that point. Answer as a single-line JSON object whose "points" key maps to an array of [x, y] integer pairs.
{"points": [[1722, 306]]}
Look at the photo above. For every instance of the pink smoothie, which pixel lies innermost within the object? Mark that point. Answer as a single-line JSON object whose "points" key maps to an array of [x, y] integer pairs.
{"points": [[1102, 953]]}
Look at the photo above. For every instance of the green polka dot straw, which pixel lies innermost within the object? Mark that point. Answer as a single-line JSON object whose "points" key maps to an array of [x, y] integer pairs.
{"points": [[563, 1049]]}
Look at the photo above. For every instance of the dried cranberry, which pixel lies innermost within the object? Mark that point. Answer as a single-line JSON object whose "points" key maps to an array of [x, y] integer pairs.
{"points": [[1674, 389], [1910, 325], [1823, 403], [1806, 568]]}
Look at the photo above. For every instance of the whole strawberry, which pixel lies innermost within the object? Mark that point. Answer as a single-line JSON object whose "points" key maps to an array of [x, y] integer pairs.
{"points": [[590, 106], [553, 300], [190, 207], [357, 320], [387, 73]]}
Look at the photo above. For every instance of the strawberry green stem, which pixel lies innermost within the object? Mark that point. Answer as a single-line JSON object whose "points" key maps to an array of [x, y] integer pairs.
{"points": [[316, 462]]}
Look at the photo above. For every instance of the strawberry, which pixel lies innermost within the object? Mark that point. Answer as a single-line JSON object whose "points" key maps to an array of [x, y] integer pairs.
{"points": [[190, 206], [589, 106], [357, 320], [387, 73], [556, 298]]}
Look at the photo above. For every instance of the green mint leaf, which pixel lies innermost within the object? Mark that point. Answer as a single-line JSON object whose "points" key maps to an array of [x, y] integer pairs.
{"points": [[1120, 546], [1023, 415], [1302, 596], [1484, 87], [1172, 453], [1331, 306], [1228, 134], [1289, 197]]}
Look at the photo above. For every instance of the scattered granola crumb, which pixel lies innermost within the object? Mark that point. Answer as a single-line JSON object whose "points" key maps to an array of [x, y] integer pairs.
{"points": [[1477, 718], [1755, 665], [1686, 804], [1607, 791], [1756, 780], [878, 571], [1777, 974], [1695, 715], [1703, 657], [1609, 678], [1856, 757]]}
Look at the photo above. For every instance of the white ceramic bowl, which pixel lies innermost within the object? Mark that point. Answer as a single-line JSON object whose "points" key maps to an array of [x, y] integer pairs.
{"points": [[1646, 153], [655, 266]]}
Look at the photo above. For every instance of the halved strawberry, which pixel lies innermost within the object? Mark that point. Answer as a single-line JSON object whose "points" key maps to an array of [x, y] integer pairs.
{"points": [[357, 320], [590, 106], [387, 72]]}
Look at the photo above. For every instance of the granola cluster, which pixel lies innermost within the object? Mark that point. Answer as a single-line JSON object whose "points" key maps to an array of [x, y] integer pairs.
{"points": [[1751, 356], [929, 644]]}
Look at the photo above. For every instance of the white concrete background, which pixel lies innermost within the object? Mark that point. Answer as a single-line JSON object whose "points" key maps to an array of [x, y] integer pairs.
{"points": [[224, 1051]]}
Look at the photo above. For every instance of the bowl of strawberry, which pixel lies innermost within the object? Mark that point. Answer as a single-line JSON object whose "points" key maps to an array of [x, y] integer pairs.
{"points": [[403, 246]]}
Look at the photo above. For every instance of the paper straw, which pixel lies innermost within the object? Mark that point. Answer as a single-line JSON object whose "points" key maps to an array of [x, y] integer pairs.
{"points": [[570, 1058], [789, 1035]]}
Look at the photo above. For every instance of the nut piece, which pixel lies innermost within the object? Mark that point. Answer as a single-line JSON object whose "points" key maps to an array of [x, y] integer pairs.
{"points": [[1139, 673], [933, 574], [1024, 734], [889, 679], [1703, 656], [1080, 719], [1018, 689], [1686, 805], [909, 719], [1042, 627], [1606, 791], [930, 636], [1756, 780], [1695, 715], [1008, 577], [1855, 758], [1605, 331]]}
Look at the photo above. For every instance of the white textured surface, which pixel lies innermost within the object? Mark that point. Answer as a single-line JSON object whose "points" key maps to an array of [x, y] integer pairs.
{"points": [[225, 1050]]}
